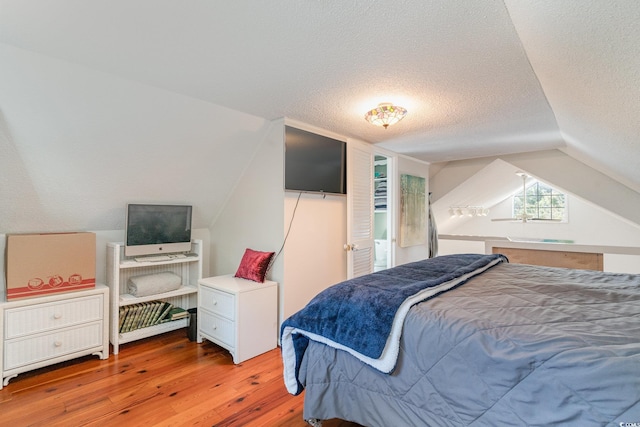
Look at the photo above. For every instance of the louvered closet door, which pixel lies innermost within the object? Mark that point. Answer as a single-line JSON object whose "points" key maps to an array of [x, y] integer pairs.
{"points": [[359, 209]]}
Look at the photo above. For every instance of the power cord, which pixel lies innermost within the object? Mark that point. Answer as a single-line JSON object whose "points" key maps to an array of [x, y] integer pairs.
{"points": [[273, 259]]}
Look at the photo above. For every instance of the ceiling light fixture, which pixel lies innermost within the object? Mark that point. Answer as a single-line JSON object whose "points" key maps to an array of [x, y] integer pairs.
{"points": [[385, 114]]}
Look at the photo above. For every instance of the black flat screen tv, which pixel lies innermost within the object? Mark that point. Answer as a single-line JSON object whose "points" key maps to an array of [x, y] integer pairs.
{"points": [[314, 163], [157, 229]]}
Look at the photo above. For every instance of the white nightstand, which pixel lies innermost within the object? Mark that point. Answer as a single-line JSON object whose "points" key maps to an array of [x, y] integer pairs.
{"points": [[239, 315]]}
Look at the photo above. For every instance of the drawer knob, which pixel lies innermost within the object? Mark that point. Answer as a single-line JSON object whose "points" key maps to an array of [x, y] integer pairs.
{"points": [[57, 316], [58, 343]]}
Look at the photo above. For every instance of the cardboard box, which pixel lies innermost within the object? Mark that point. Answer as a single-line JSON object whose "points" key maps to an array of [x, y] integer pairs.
{"points": [[41, 264]]}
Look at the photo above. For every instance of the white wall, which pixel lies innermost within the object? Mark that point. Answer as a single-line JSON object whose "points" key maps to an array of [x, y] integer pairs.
{"points": [[252, 214], [621, 263], [587, 225], [314, 257], [552, 166], [77, 144], [448, 247], [601, 211]]}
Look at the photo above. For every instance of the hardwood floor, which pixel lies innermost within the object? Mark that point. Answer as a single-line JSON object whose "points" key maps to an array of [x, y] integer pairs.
{"points": [[165, 380]]}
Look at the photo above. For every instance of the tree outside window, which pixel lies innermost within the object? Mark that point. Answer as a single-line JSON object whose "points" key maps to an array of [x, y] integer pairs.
{"points": [[543, 202]]}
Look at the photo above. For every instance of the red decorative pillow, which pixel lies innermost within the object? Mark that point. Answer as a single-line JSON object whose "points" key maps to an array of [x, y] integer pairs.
{"points": [[254, 264]]}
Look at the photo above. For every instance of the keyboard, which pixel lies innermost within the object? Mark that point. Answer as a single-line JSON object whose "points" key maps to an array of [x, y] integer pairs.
{"points": [[154, 258]]}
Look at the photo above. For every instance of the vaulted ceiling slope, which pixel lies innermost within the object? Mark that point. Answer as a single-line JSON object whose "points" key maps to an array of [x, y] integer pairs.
{"points": [[479, 78]]}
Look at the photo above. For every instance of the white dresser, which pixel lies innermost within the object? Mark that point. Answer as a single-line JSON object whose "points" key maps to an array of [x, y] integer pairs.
{"points": [[239, 315], [45, 330]]}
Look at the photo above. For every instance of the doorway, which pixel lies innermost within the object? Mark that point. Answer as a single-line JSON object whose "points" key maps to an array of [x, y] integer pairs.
{"points": [[382, 212]]}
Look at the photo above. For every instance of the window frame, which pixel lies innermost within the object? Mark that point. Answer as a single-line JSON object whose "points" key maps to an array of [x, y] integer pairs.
{"points": [[533, 202]]}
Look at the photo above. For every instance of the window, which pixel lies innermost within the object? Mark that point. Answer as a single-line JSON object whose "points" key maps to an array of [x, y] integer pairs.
{"points": [[542, 201]]}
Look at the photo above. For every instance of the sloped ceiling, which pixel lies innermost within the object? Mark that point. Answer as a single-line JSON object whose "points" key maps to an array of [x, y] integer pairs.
{"points": [[488, 187], [479, 78], [77, 144], [586, 55]]}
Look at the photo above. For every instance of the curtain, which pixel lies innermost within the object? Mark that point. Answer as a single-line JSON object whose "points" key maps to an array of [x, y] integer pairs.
{"points": [[433, 233]]}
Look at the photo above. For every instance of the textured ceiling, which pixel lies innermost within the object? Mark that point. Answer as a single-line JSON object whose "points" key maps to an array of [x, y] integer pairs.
{"points": [[586, 55], [478, 77]]}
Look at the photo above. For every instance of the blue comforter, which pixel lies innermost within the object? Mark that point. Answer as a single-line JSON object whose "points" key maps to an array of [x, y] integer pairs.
{"points": [[364, 316]]}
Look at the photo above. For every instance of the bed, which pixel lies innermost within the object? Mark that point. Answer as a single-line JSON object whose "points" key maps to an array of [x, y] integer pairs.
{"points": [[505, 344]]}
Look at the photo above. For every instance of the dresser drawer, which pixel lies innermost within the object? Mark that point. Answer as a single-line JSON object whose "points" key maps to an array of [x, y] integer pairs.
{"points": [[27, 350], [44, 317], [217, 327], [218, 302]]}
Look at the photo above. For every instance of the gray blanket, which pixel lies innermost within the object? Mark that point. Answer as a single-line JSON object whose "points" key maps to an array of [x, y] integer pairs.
{"points": [[518, 345], [364, 315]]}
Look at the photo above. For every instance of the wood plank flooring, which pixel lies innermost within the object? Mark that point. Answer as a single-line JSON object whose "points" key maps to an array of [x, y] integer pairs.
{"points": [[165, 380]]}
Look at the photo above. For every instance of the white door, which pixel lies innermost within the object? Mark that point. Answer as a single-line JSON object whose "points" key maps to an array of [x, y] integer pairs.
{"points": [[360, 242]]}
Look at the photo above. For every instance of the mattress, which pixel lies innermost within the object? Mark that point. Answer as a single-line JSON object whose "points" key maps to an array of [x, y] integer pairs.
{"points": [[517, 345]]}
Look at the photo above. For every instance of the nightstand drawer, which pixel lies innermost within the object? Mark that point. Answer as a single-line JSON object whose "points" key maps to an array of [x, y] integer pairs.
{"points": [[217, 327], [218, 302], [49, 316], [24, 351]]}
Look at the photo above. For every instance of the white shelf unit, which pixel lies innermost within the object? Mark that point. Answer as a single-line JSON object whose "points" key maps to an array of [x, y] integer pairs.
{"points": [[120, 269], [377, 200]]}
